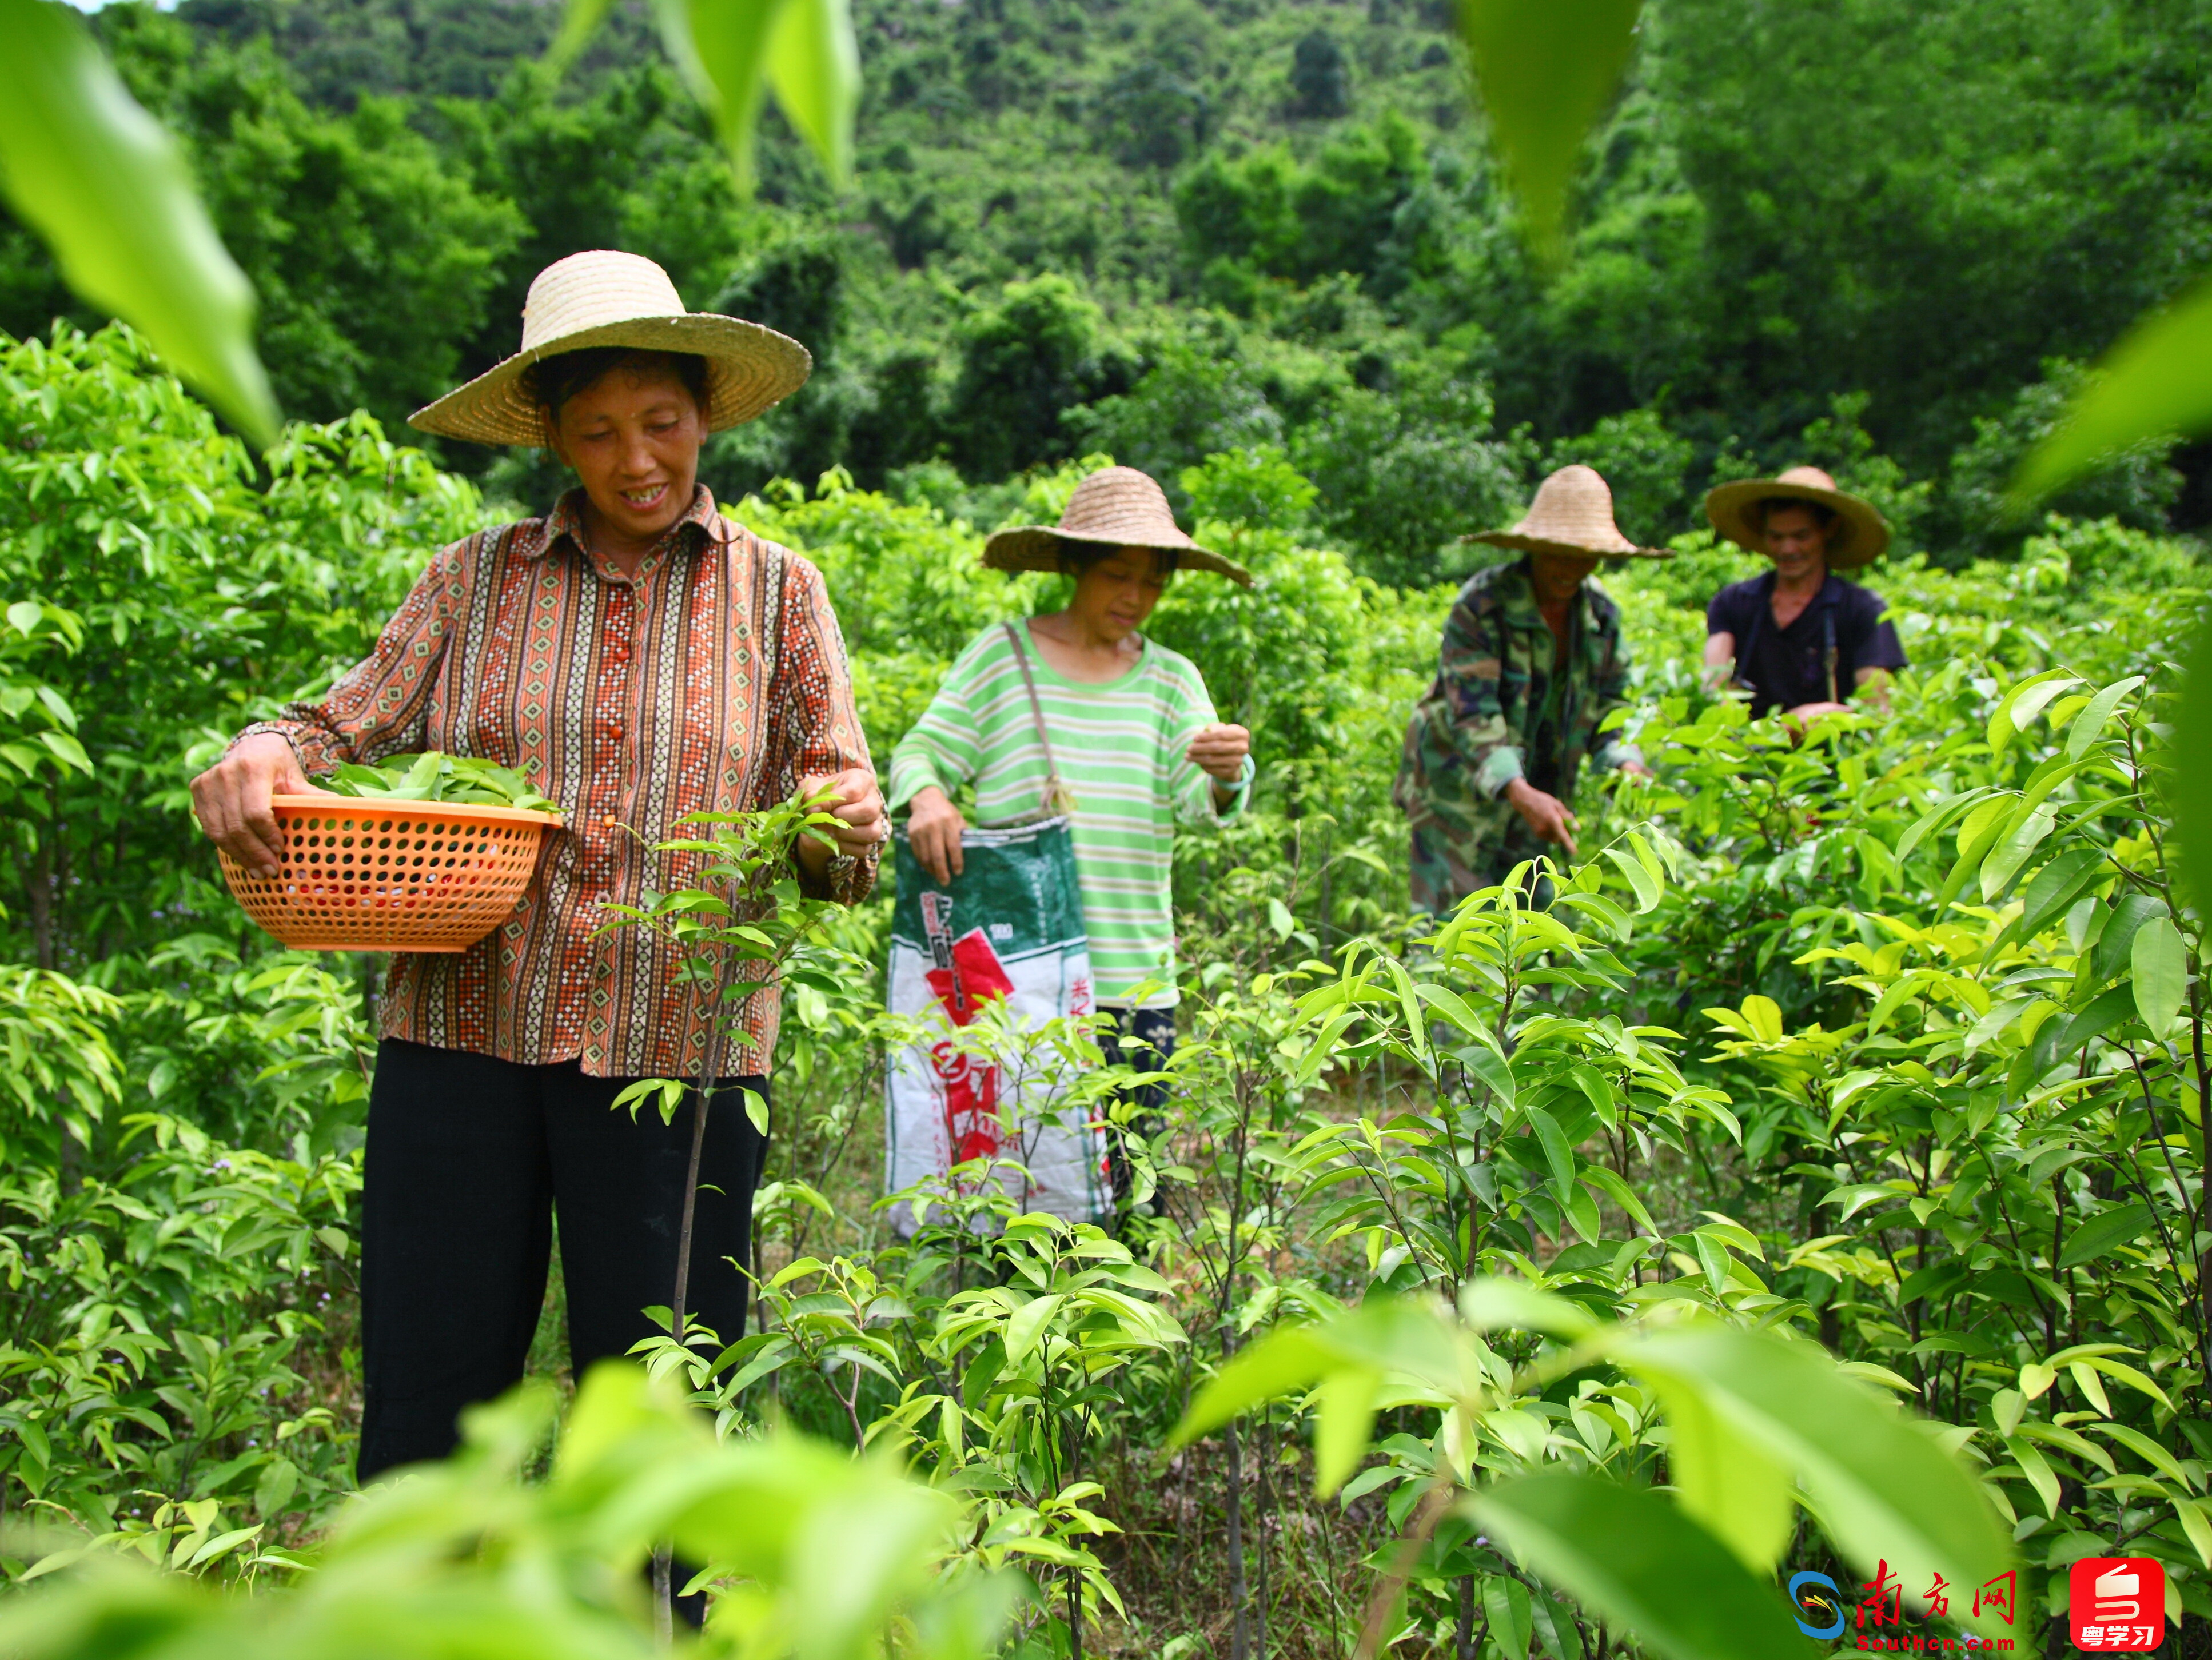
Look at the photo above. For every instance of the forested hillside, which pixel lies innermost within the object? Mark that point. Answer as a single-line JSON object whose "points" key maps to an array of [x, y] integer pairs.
{"points": [[1879, 236]]}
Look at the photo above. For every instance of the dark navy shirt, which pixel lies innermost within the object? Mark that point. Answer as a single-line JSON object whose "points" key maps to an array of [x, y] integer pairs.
{"points": [[1785, 667]]}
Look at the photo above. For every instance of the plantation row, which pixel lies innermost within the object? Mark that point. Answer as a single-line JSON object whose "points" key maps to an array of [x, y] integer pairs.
{"points": [[1891, 1039]]}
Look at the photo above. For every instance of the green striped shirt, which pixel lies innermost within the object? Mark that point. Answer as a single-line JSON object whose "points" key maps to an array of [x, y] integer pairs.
{"points": [[1120, 744]]}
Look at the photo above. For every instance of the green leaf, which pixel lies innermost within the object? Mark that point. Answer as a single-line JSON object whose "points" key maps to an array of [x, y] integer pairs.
{"points": [[1287, 1360], [1728, 1483], [1557, 1152], [2006, 1407], [1647, 889], [1931, 822], [1713, 1258], [1279, 918], [1494, 1070], [1545, 72], [1410, 1006], [814, 69], [2191, 1514], [2148, 1450], [2115, 947], [1346, 1419], [1609, 1183], [2060, 1039], [2006, 858], [1454, 1008], [1384, 1334], [2037, 1469], [279, 1478], [2023, 703], [1556, 1630], [2104, 1233], [1643, 1564], [1979, 830], [2156, 383], [2160, 966], [1881, 1487], [2130, 1376], [104, 184], [1498, 1304], [757, 1110], [2090, 723], [1506, 1601], [729, 51], [578, 24], [1025, 1326], [2056, 887], [69, 750]]}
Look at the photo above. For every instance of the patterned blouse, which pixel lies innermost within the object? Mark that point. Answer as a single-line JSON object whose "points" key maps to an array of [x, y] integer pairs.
{"points": [[712, 680]]}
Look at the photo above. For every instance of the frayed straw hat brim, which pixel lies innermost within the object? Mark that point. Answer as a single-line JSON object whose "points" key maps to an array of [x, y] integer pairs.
{"points": [[1859, 537], [1036, 547], [1114, 507], [750, 370], [1571, 515]]}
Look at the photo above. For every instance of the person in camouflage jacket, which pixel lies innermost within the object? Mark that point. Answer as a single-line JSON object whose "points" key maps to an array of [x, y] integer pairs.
{"points": [[1532, 663]]}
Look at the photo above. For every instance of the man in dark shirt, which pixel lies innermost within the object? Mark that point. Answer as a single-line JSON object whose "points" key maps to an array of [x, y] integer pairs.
{"points": [[1800, 638]]}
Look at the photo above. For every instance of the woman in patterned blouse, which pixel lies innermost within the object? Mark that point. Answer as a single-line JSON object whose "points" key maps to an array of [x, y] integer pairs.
{"points": [[640, 657]]}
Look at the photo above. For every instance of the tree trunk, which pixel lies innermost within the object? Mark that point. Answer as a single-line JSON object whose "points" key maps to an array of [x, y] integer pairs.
{"points": [[1240, 1640]]}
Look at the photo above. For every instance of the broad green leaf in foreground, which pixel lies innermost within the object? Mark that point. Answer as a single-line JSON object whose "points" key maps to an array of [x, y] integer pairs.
{"points": [[1727, 1481], [732, 51], [465, 1558], [97, 177], [814, 69], [1883, 1489], [2156, 383], [1349, 1355], [1644, 1564], [1545, 72], [578, 24]]}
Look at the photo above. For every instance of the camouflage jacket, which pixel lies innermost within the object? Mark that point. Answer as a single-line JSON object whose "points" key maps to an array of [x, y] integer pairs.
{"points": [[1475, 731]]}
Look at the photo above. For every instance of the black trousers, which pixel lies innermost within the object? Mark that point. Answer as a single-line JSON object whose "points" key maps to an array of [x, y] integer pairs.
{"points": [[1132, 1033], [468, 1160]]}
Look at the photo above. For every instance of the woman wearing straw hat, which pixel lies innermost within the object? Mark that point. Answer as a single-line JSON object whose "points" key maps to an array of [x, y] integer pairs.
{"points": [[1800, 638], [1533, 662], [640, 657], [1132, 733]]}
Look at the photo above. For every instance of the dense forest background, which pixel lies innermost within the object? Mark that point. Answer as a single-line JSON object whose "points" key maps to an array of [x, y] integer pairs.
{"points": [[1877, 235]]}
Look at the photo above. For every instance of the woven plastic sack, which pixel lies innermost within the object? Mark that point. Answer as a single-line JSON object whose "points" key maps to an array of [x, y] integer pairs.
{"points": [[1009, 926]]}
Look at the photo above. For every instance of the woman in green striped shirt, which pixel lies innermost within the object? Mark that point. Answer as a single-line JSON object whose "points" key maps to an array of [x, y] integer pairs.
{"points": [[1133, 736]]}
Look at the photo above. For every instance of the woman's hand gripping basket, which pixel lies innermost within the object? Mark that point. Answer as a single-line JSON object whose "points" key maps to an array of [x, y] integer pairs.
{"points": [[368, 875]]}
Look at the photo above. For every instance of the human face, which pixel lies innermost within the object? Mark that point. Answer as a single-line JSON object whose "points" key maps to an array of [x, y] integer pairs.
{"points": [[1798, 542], [1558, 574], [1114, 596], [634, 440]]}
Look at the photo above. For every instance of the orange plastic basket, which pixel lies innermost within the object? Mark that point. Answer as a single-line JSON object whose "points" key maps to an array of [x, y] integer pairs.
{"points": [[390, 875]]}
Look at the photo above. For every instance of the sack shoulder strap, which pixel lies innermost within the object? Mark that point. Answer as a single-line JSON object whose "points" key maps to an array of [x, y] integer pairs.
{"points": [[1057, 797]]}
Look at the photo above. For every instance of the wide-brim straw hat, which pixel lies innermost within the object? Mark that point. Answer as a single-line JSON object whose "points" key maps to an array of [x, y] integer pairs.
{"points": [[1858, 538], [1114, 507], [609, 298], [1572, 515]]}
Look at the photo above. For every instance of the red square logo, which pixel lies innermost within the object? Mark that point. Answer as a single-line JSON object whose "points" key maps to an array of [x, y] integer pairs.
{"points": [[2116, 1604]]}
